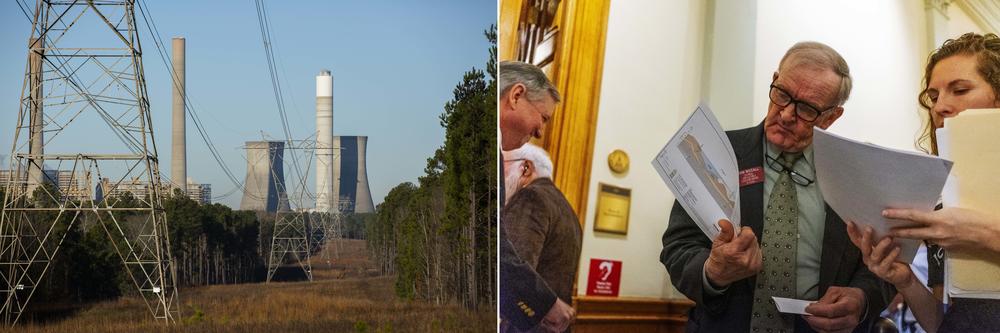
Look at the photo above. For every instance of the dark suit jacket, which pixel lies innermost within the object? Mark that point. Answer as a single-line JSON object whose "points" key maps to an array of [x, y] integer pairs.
{"points": [[524, 296], [685, 249], [545, 232]]}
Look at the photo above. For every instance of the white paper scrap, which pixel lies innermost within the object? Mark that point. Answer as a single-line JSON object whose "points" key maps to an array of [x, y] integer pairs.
{"points": [[790, 305]]}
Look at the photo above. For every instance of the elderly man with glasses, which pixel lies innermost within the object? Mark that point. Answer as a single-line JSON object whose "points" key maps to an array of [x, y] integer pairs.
{"points": [[792, 244]]}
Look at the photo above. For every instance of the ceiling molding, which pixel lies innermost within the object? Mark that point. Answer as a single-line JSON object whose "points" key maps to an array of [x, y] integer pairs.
{"points": [[941, 6], [985, 13]]}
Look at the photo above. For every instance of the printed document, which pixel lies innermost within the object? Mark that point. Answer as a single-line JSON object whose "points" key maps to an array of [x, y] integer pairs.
{"points": [[859, 180], [699, 166]]}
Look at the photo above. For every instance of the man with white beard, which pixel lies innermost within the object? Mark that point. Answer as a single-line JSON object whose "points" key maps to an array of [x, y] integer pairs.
{"points": [[540, 222]]}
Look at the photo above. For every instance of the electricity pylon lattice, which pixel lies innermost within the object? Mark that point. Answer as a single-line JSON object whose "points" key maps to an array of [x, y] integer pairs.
{"points": [[290, 241], [292, 236], [328, 230], [83, 156]]}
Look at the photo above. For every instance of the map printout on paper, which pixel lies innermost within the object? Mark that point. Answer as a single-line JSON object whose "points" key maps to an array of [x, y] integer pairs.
{"points": [[699, 166]]}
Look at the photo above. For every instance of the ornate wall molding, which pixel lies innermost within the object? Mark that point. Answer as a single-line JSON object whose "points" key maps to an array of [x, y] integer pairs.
{"points": [[985, 13], [941, 6]]}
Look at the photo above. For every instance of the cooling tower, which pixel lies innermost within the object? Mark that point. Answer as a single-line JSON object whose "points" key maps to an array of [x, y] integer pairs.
{"points": [[178, 159], [265, 182], [350, 176], [324, 142]]}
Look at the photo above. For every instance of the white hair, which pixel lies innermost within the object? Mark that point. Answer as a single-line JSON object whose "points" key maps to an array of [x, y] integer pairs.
{"points": [[822, 55], [533, 153]]}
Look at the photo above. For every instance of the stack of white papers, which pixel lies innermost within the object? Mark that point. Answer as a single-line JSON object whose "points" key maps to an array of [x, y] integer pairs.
{"points": [[859, 180]]}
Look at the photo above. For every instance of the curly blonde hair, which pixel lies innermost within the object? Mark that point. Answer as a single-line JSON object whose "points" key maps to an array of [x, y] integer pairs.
{"points": [[986, 48]]}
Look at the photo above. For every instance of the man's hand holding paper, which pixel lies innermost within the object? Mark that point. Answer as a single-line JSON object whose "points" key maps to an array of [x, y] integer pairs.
{"points": [[733, 257], [839, 310]]}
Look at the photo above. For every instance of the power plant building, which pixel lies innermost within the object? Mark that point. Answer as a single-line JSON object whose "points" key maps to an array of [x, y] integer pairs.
{"points": [[350, 175], [264, 189]]}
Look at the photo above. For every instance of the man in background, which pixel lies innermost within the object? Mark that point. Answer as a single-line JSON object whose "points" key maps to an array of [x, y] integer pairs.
{"points": [[539, 221], [527, 101]]}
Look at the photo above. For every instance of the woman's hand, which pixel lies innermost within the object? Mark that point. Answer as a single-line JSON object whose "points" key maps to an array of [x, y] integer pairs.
{"points": [[951, 228], [881, 257]]}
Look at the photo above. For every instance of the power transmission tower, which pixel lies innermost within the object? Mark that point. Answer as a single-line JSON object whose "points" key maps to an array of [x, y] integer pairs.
{"points": [[326, 230], [84, 108], [292, 238], [328, 224]]}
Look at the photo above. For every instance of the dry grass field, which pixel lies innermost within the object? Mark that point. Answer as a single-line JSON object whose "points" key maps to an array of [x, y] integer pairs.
{"points": [[342, 298]]}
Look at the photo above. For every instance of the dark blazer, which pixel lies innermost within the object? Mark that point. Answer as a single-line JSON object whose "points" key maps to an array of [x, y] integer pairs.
{"points": [[524, 296], [685, 249], [545, 232]]}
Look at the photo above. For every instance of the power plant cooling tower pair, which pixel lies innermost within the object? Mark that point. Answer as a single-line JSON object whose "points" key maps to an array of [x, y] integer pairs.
{"points": [[341, 174]]}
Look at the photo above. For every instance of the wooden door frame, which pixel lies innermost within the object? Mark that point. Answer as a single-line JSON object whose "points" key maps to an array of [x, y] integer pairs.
{"points": [[569, 137]]}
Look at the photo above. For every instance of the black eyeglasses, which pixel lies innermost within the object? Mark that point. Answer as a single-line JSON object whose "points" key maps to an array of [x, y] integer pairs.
{"points": [[523, 167], [803, 110], [778, 166]]}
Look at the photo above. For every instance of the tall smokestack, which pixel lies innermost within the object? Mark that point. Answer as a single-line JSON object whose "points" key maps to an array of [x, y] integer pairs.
{"points": [[324, 142], [178, 161]]}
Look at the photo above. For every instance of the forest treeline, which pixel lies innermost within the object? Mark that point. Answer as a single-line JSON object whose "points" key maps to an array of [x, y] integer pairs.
{"points": [[438, 236], [210, 244]]}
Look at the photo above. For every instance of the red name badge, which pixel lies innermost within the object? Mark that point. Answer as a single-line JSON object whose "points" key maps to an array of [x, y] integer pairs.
{"points": [[605, 277], [751, 176]]}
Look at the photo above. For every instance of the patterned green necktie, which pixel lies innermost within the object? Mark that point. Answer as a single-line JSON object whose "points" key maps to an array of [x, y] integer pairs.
{"points": [[778, 246]]}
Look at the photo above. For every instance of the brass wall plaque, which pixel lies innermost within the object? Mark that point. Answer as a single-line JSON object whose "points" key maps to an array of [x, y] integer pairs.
{"points": [[612, 209], [618, 161]]}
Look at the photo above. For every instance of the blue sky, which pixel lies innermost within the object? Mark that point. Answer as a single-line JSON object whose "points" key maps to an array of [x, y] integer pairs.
{"points": [[394, 64]]}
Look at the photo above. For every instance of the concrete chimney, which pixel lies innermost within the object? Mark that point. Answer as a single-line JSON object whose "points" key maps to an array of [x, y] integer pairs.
{"points": [[178, 160], [324, 142]]}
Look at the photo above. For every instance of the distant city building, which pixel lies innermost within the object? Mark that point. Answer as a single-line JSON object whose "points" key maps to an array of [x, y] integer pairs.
{"points": [[72, 186], [264, 189], [202, 193], [11, 181], [350, 175], [79, 186], [9, 176], [134, 187]]}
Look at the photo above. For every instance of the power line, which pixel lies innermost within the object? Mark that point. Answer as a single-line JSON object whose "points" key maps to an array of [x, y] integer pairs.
{"points": [[25, 11], [189, 105], [266, 39]]}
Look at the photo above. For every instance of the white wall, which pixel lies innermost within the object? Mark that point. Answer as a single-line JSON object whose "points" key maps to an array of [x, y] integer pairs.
{"points": [[730, 37], [959, 23], [652, 65], [884, 43]]}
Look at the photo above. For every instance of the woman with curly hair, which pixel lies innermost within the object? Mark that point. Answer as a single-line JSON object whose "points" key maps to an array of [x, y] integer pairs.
{"points": [[964, 73]]}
